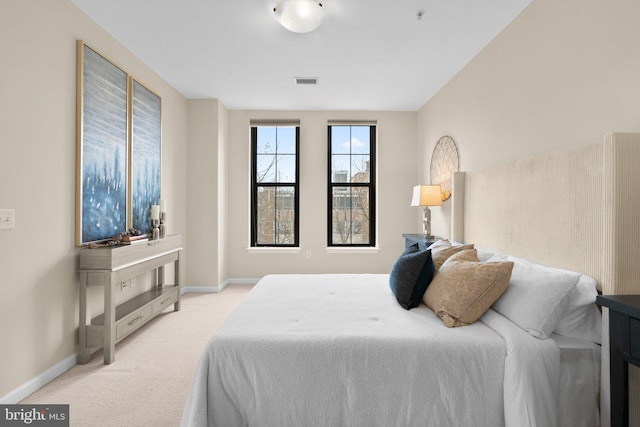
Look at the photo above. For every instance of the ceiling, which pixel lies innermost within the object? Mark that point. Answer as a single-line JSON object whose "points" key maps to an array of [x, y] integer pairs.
{"points": [[367, 54]]}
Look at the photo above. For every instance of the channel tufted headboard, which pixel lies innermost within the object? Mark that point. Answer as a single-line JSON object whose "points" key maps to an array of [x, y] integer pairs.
{"points": [[577, 209]]}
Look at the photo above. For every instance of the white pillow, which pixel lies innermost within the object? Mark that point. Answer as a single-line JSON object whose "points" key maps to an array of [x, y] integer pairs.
{"points": [[485, 254], [536, 297], [581, 318]]}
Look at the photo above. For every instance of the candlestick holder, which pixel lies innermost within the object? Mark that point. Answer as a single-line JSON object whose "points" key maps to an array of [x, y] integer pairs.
{"points": [[163, 228], [155, 235]]}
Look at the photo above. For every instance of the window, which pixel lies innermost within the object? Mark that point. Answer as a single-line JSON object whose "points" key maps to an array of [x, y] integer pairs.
{"points": [[274, 185], [351, 197]]}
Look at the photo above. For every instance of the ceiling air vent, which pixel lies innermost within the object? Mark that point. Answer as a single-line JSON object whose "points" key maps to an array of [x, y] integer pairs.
{"points": [[306, 80]]}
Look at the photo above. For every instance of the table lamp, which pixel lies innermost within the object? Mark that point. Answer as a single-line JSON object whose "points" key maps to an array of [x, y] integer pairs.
{"points": [[426, 195]]}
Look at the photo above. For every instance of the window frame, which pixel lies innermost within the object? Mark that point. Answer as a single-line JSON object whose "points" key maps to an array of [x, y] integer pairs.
{"points": [[256, 185], [371, 186]]}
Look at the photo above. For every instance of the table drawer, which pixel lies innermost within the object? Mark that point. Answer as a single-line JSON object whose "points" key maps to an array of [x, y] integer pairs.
{"points": [[130, 323], [165, 301]]}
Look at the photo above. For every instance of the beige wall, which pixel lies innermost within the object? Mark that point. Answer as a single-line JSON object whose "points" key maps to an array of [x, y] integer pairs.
{"points": [[396, 175], [223, 192], [563, 74], [38, 262], [206, 193]]}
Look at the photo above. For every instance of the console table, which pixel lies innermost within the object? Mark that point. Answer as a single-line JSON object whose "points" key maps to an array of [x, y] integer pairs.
{"points": [[113, 268], [420, 239], [624, 348]]}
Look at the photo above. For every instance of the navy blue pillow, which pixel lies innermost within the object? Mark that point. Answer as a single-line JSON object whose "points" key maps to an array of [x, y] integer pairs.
{"points": [[410, 276]]}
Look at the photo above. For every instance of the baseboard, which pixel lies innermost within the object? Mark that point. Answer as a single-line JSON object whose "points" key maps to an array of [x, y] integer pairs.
{"points": [[200, 289], [41, 380], [219, 288], [242, 281]]}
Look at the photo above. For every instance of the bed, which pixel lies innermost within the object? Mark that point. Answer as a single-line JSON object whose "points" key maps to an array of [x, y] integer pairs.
{"points": [[299, 351], [339, 350]]}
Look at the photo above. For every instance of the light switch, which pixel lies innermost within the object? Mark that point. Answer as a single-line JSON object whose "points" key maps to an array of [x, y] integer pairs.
{"points": [[7, 219]]}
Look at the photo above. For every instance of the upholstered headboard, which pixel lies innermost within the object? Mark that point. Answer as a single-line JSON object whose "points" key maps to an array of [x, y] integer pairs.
{"points": [[577, 209]]}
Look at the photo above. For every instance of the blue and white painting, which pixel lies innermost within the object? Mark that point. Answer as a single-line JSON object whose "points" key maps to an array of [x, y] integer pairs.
{"points": [[145, 156], [103, 149]]}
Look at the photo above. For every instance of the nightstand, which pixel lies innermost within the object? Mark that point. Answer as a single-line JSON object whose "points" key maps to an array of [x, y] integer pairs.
{"points": [[420, 239], [624, 348]]}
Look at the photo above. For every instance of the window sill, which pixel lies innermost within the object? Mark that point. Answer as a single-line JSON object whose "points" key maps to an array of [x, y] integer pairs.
{"points": [[354, 250], [269, 250]]}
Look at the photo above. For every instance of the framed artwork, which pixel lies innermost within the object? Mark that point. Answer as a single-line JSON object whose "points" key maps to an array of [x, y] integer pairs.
{"points": [[146, 154], [118, 150], [101, 147]]}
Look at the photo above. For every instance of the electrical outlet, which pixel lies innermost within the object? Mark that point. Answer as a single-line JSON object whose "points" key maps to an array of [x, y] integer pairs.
{"points": [[308, 254], [123, 285], [132, 281], [7, 219]]}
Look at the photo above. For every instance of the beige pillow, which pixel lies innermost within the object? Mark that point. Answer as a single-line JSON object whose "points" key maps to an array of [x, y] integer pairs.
{"points": [[443, 249], [464, 288]]}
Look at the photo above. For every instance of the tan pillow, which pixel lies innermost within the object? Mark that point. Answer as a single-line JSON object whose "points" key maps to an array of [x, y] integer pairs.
{"points": [[464, 288], [443, 249]]}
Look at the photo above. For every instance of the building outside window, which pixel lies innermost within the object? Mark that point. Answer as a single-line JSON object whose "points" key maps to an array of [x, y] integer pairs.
{"points": [[274, 185], [351, 196]]}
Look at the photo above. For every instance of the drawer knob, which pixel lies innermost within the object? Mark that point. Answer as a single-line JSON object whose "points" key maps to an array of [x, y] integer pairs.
{"points": [[134, 321]]}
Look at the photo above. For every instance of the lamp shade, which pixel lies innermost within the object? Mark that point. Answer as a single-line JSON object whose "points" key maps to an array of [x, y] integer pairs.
{"points": [[299, 16], [426, 195]]}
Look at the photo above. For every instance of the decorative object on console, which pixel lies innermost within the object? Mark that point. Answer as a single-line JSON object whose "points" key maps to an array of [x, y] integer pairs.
{"points": [[155, 222], [129, 237], [163, 217], [132, 240], [426, 195], [444, 162], [299, 16]]}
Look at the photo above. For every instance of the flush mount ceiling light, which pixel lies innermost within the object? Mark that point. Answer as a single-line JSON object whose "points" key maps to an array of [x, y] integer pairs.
{"points": [[299, 16]]}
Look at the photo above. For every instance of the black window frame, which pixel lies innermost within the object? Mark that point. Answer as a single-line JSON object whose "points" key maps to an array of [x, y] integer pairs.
{"points": [[256, 185], [371, 185]]}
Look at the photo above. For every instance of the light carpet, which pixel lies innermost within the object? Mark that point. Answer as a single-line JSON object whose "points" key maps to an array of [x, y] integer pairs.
{"points": [[149, 381]]}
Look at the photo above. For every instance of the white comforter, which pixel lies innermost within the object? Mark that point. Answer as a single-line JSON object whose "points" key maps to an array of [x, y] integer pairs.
{"points": [[337, 350]]}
